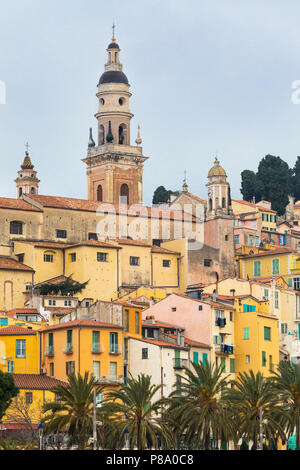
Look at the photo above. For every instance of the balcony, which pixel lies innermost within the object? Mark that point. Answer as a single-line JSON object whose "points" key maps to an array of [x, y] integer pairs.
{"points": [[221, 322], [115, 349], [49, 351], [112, 379], [97, 348], [68, 348], [224, 348], [180, 363]]}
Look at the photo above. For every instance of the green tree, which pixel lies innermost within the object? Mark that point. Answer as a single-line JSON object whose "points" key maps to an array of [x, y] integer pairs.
{"points": [[8, 391], [251, 392], [248, 188], [296, 180], [161, 194], [133, 410], [287, 383], [74, 410], [197, 405]]}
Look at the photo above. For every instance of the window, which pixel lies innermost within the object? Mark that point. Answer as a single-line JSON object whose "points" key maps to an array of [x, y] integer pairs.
{"points": [[114, 343], [264, 359], [275, 266], [93, 236], [249, 308], [16, 228], [267, 333], [95, 341], [113, 371], [204, 358], [276, 300], [99, 399], [231, 316], [250, 240], [257, 268], [145, 353], [232, 365], [28, 397], [284, 328], [3, 321], [226, 238], [73, 257], [21, 258], [52, 302], [61, 234], [52, 369], [126, 320], [134, 261], [223, 364], [256, 241], [196, 357], [236, 239], [99, 193], [102, 257], [96, 370], [174, 309], [10, 367], [271, 218], [266, 294], [48, 258], [246, 333], [137, 322], [70, 367], [20, 348], [68, 303], [247, 359], [207, 263], [200, 307], [124, 194], [166, 263]]}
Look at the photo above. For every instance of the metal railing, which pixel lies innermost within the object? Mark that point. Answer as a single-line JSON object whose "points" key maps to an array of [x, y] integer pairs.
{"points": [[49, 351], [68, 348], [97, 348], [224, 348], [115, 349], [179, 363]]}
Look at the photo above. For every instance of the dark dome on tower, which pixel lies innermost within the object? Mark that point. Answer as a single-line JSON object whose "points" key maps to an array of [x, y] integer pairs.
{"points": [[113, 45], [113, 76]]}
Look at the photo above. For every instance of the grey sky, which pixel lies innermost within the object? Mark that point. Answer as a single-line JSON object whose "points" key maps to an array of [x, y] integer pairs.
{"points": [[206, 76]]}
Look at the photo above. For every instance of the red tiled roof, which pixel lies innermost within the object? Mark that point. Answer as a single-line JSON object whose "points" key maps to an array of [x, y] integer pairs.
{"points": [[251, 204], [157, 342], [160, 249], [24, 311], [45, 244], [16, 331], [17, 204], [82, 323], [94, 206], [60, 310], [195, 197], [36, 382], [192, 342], [277, 251], [12, 264]]}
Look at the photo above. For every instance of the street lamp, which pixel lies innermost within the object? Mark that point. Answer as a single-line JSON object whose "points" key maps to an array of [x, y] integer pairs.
{"points": [[41, 428]]}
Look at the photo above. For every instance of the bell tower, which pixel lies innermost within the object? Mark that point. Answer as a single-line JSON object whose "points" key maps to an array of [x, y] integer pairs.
{"points": [[218, 192], [114, 166], [27, 181]]}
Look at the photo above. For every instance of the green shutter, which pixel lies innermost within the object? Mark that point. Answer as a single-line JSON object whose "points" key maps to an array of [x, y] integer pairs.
{"points": [[69, 336], [264, 360], [267, 333], [232, 365], [290, 282], [196, 357], [257, 270], [275, 266], [204, 358], [246, 333], [223, 364]]}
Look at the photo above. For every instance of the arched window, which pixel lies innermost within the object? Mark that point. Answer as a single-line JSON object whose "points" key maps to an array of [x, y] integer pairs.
{"points": [[223, 202], [32, 191], [210, 204], [124, 194], [16, 228], [20, 192], [99, 193], [101, 135], [122, 134]]}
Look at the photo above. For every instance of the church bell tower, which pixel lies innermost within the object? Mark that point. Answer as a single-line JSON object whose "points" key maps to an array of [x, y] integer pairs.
{"points": [[114, 166]]}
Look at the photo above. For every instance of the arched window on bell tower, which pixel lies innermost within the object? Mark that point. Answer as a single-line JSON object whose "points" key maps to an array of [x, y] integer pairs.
{"points": [[100, 193], [122, 134], [124, 194], [101, 135], [210, 204]]}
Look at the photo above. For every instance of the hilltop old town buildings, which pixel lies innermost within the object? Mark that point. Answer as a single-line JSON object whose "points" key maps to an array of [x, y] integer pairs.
{"points": [[111, 286]]}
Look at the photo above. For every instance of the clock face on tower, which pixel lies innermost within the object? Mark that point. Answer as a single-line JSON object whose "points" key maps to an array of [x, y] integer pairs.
{"points": [[209, 192]]}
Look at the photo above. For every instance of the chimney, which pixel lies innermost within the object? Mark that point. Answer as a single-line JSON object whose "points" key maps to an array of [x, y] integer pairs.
{"points": [[232, 292], [215, 295]]}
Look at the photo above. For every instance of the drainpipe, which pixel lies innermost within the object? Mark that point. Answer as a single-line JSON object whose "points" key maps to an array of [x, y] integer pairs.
{"points": [[79, 350], [151, 283], [118, 280], [40, 333]]}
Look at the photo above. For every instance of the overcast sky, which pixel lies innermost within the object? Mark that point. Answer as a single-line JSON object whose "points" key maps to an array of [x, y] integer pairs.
{"points": [[206, 76]]}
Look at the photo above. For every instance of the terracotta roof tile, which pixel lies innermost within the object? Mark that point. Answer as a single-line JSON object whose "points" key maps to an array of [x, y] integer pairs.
{"points": [[36, 381], [251, 204], [12, 264], [83, 323], [160, 249], [277, 251], [157, 342], [17, 204], [16, 331]]}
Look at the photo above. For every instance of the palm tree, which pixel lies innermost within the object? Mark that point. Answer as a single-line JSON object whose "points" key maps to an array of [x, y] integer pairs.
{"points": [[74, 411], [132, 410], [197, 404], [250, 393], [287, 383]]}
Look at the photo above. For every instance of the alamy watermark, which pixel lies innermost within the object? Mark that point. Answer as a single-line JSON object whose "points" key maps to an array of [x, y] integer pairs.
{"points": [[2, 92]]}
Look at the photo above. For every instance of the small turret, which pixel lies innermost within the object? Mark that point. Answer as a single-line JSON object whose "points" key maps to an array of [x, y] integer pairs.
{"points": [[27, 181]]}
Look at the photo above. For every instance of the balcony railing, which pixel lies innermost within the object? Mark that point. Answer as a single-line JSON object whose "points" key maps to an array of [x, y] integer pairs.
{"points": [[49, 351], [97, 348], [115, 349], [68, 348], [111, 379], [179, 363], [224, 348]]}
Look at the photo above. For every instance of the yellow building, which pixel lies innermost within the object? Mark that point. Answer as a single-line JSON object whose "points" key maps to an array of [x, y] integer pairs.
{"points": [[83, 345], [14, 279], [19, 350], [109, 267], [256, 336], [278, 262], [265, 217]]}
